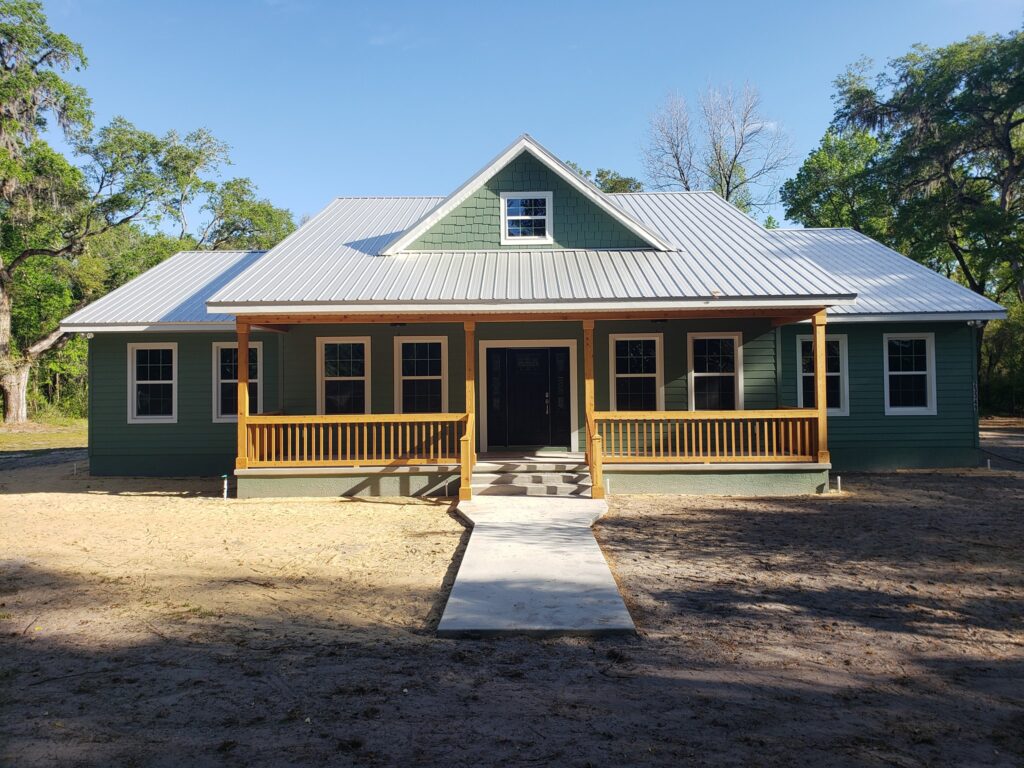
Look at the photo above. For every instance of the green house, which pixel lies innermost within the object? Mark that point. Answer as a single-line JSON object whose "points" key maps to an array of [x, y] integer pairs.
{"points": [[531, 334]]}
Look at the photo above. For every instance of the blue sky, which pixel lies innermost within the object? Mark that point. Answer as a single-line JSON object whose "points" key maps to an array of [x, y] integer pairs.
{"points": [[319, 99]]}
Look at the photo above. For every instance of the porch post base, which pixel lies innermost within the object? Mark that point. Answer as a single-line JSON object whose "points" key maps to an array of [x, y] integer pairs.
{"points": [[465, 494], [824, 457]]}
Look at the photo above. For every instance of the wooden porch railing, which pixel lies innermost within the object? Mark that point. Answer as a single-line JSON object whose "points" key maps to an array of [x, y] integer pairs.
{"points": [[357, 440], [705, 437]]}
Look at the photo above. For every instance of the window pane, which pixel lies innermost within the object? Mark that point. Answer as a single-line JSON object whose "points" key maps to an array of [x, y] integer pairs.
{"points": [[421, 358], [809, 391], [421, 396], [714, 355], [344, 397], [908, 355], [154, 364], [714, 393], [526, 206], [806, 357], [908, 390], [833, 359], [833, 392], [526, 228], [228, 363], [636, 356], [154, 399], [344, 360], [636, 393], [229, 399]]}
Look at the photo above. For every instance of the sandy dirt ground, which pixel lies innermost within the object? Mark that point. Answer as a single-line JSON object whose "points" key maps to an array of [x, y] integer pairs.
{"points": [[150, 623]]}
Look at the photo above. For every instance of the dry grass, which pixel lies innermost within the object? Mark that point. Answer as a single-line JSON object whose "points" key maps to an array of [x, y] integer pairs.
{"points": [[34, 436], [150, 623]]}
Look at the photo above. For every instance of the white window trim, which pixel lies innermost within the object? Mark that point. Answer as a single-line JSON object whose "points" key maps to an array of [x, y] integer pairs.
{"points": [[399, 378], [844, 376], [217, 380], [659, 376], [737, 336], [133, 418], [321, 379], [549, 229], [932, 408]]}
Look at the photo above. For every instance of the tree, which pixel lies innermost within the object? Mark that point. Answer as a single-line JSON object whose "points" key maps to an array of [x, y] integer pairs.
{"points": [[240, 219], [608, 180], [770, 222], [954, 119], [185, 167], [730, 148], [836, 186]]}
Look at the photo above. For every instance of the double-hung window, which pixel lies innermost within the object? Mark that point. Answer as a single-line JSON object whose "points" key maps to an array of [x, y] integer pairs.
{"points": [[421, 365], [909, 374], [636, 372], [526, 218], [225, 380], [715, 371], [837, 387], [153, 383], [343, 366]]}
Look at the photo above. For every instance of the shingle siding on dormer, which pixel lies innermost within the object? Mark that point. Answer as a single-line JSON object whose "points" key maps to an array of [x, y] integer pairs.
{"points": [[577, 224]]}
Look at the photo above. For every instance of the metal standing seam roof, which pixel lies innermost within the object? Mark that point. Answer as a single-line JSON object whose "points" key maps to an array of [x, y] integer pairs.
{"points": [[334, 259], [886, 281], [719, 249], [174, 291]]}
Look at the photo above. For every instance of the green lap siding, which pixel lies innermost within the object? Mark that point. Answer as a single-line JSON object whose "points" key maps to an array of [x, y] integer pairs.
{"points": [[868, 438], [759, 384], [578, 222], [195, 445]]}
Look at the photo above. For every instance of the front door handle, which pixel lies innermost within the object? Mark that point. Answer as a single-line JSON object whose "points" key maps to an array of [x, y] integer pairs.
{"points": [[547, 403]]}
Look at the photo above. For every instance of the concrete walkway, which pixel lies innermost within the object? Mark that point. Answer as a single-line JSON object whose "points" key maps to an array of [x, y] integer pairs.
{"points": [[532, 566]]}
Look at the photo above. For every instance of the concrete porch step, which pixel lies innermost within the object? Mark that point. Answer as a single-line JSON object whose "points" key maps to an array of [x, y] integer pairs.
{"points": [[562, 490], [490, 466], [530, 478]]}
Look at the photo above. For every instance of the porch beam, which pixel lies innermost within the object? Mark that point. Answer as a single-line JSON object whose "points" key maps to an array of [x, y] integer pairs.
{"points": [[820, 393], [526, 317], [242, 454]]}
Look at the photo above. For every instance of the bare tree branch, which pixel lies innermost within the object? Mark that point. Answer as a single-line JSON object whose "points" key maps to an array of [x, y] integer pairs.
{"points": [[735, 151]]}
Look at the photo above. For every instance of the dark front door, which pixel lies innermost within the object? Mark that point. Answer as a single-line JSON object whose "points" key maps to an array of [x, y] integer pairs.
{"points": [[528, 397]]}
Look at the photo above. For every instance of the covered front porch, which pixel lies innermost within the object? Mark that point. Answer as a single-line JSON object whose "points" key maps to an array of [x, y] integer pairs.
{"points": [[506, 378]]}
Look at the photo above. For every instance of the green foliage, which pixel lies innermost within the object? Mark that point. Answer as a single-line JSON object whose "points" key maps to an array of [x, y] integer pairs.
{"points": [[953, 121], [32, 59], [836, 186], [73, 229], [608, 180], [239, 219], [770, 222], [1002, 363]]}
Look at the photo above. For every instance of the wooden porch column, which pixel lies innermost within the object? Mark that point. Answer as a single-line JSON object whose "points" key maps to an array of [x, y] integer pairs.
{"points": [[468, 443], [593, 447], [242, 454], [820, 395]]}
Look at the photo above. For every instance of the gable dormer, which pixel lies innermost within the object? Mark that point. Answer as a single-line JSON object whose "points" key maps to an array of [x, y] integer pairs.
{"points": [[526, 199]]}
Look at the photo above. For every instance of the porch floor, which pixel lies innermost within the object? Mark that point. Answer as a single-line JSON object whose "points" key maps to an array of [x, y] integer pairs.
{"points": [[532, 566]]}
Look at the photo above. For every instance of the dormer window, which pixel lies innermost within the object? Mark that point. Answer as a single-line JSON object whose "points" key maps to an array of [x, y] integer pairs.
{"points": [[526, 218]]}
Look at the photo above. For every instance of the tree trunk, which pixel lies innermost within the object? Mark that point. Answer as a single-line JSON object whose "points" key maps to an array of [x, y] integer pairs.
{"points": [[14, 384]]}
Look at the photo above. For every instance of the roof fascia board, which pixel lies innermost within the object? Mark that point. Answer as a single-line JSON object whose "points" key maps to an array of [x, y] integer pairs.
{"points": [[226, 325], [524, 143], [911, 317], [350, 308]]}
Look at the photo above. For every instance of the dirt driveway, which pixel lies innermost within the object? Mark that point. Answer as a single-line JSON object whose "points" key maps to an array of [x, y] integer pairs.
{"points": [[150, 623]]}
